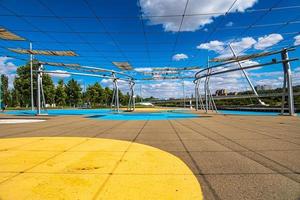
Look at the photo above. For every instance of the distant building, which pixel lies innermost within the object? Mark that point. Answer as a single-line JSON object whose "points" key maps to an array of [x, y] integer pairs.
{"points": [[233, 93], [263, 87], [222, 92]]}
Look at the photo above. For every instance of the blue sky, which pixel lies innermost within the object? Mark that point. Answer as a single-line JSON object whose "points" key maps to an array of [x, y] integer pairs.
{"points": [[102, 31]]}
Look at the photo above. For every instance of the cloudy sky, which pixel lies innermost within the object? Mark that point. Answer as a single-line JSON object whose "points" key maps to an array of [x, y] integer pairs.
{"points": [[154, 33]]}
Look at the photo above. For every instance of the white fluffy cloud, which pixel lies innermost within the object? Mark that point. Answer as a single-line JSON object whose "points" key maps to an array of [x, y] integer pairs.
{"points": [[9, 69], [242, 44], [176, 7], [297, 40], [219, 46], [268, 41], [214, 45], [179, 56]]}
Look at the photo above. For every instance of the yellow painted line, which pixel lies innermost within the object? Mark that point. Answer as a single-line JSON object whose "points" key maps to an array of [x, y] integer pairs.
{"points": [[91, 168]]}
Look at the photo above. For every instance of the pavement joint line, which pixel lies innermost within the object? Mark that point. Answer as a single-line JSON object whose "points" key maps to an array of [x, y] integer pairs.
{"points": [[212, 190], [17, 146], [258, 132], [255, 152], [259, 162], [77, 128], [16, 126], [61, 133], [98, 192], [290, 125], [12, 148], [46, 127], [51, 157]]}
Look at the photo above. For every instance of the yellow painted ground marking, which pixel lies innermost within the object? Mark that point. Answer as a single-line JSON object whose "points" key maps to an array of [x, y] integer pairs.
{"points": [[31, 168]]}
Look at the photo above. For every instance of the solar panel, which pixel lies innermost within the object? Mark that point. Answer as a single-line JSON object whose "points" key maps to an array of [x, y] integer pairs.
{"points": [[43, 52], [123, 65], [7, 35]]}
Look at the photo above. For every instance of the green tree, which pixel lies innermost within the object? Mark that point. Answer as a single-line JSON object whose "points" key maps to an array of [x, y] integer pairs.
{"points": [[73, 91], [107, 96], [49, 89], [5, 94], [95, 94], [60, 94], [15, 98], [22, 85]]}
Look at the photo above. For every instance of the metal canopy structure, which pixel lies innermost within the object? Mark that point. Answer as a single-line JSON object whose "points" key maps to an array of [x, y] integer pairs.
{"points": [[166, 69], [115, 104], [7, 35], [225, 68], [123, 65], [159, 73], [43, 52], [59, 64], [88, 69], [168, 78], [169, 73], [156, 73]]}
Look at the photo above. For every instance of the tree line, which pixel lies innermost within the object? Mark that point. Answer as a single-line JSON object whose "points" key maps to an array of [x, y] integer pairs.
{"points": [[64, 94]]}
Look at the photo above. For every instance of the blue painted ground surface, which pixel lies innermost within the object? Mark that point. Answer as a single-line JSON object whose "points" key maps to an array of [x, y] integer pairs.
{"points": [[107, 114], [146, 116], [62, 112]]}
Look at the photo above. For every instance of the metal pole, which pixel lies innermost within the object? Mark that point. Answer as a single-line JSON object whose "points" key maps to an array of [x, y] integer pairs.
{"points": [[1, 91], [246, 76], [117, 96], [43, 94], [286, 65], [39, 91], [283, 91], [205, 93], [31, 78], [133, 97], [141, 92], [132, 107], [183, 91], [130, 96], [196, 95], [112, 104]]}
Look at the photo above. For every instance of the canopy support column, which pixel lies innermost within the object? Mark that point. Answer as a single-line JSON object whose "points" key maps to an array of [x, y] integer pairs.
{"points": [[209, 101], [115, 100], [131, 102], [198, 96], [41, 102], [287, 84], [39, 73], [31, 78], [247, 78]]}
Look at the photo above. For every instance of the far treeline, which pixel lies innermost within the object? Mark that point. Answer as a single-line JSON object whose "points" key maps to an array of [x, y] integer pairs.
{"points": [[69, 94]]}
